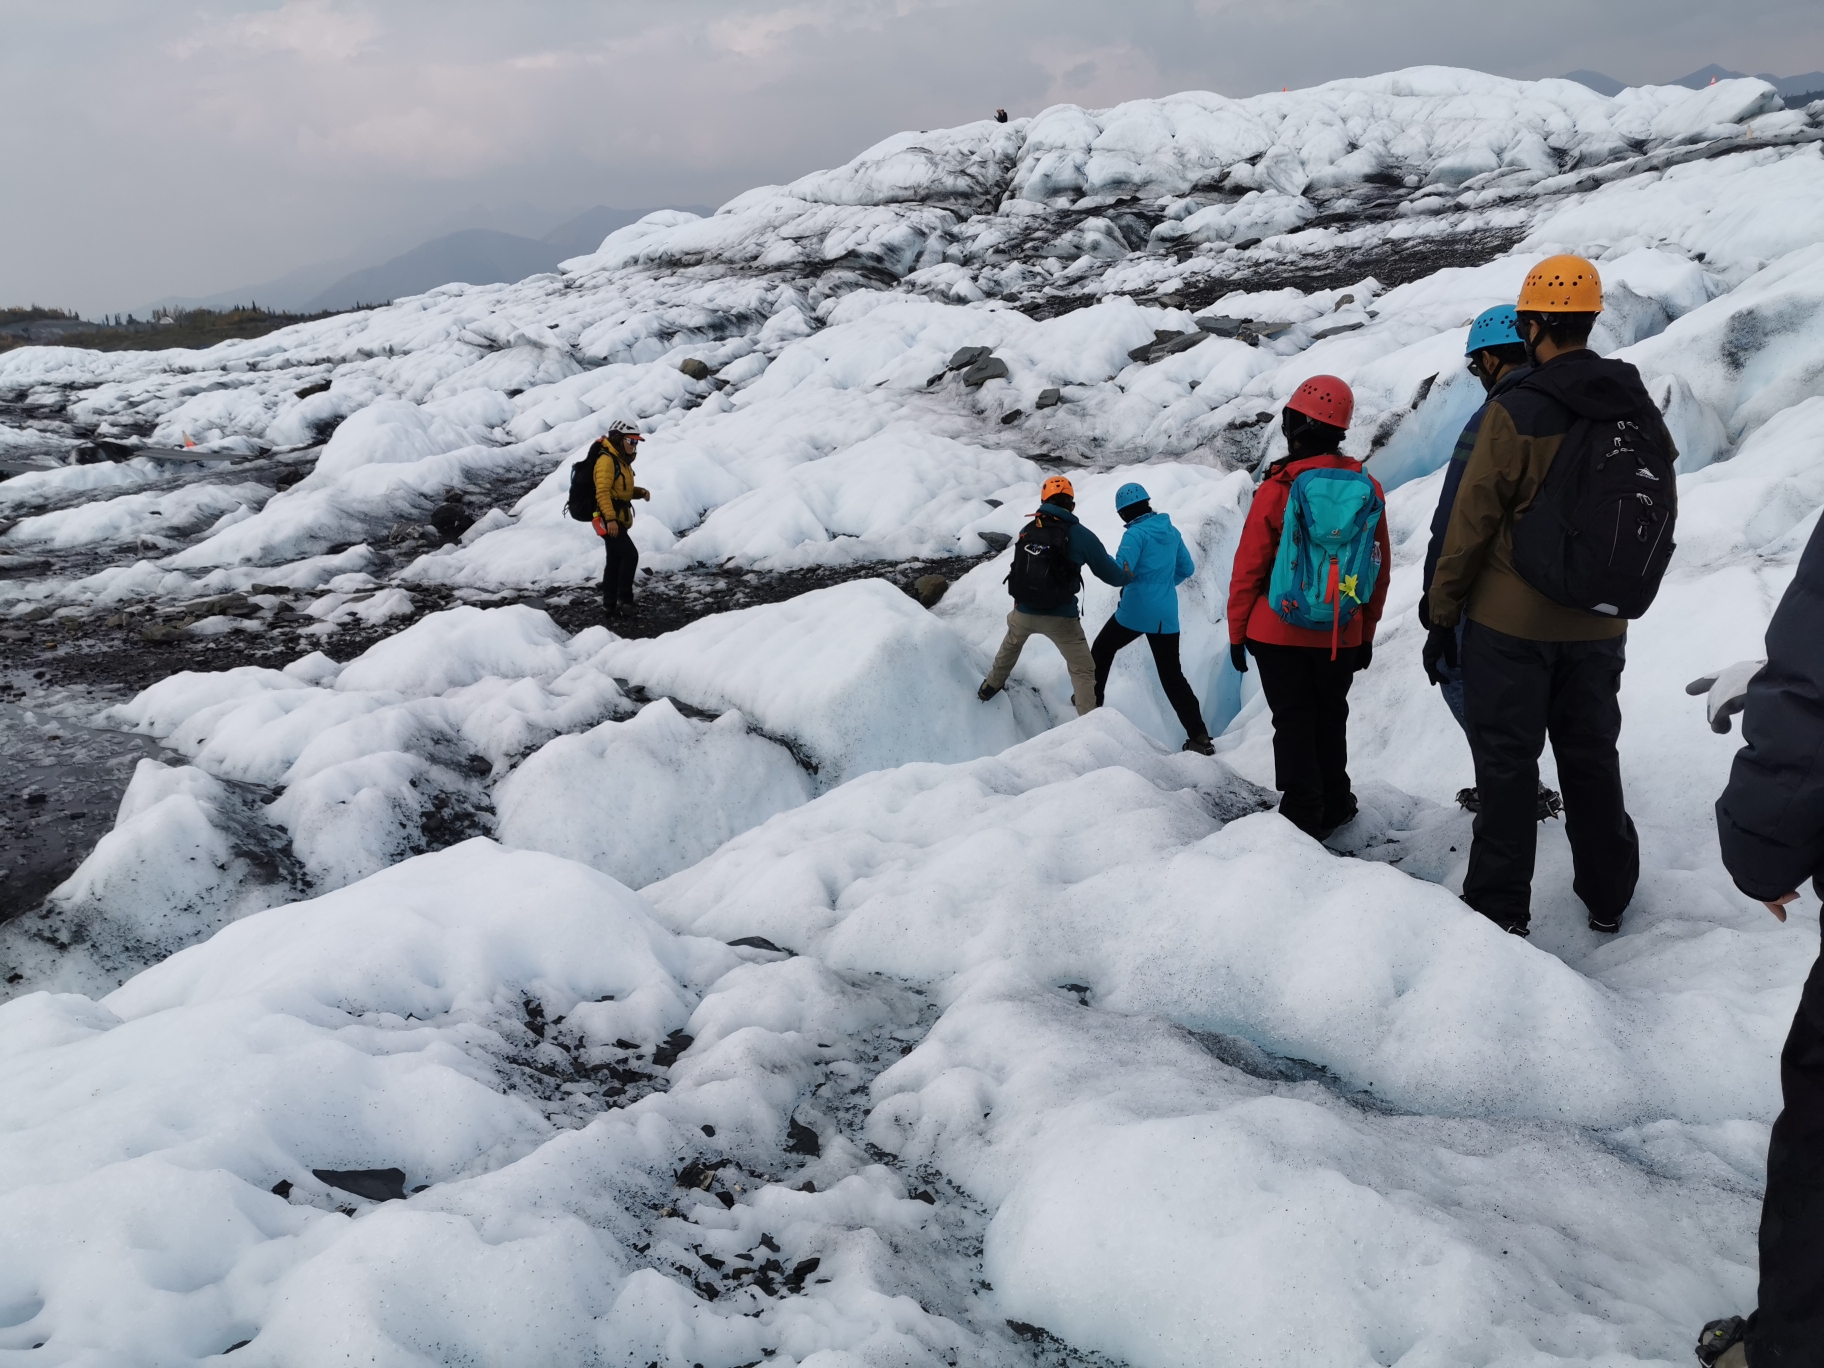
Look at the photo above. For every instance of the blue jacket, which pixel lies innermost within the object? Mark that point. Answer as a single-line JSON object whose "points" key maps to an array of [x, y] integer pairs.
{"points": [[1155, 554], [1453, 476], [1085, 549]]}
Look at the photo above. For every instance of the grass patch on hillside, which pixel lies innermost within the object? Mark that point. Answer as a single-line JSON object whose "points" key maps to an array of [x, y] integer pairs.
{"points": [[33, 326]]}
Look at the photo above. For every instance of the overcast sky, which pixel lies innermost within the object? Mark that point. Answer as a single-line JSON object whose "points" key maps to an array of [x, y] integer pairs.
{"points": [[155, 148]]}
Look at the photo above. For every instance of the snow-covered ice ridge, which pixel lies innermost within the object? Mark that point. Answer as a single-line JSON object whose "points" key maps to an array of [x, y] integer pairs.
{"points": [[787, 1004]]}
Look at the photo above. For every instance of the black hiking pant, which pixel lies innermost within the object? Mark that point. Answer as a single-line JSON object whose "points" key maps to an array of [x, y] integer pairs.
{"points": [[1788, 1330], [1308, 694], [617, 575], [1515, 692], [1178, 691]]}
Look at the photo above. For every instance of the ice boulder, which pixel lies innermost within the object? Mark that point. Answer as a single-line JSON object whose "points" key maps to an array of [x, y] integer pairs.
{"points": [[459, 646], [447, 933], [644, 798], [1087, 856], [1752, 352], [182, 859], [1703, 112], [1258, 214], [1157, 1192], [858, 677], [898, 494], [386, 432], [159, 1166]]}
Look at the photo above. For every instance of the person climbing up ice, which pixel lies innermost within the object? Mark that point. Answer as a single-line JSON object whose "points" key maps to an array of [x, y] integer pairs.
{"points": [[1044, 580], [1154, 553], [1497, 357], [1305, 596], [1559, 534], [615, 492], [1770, 825]]}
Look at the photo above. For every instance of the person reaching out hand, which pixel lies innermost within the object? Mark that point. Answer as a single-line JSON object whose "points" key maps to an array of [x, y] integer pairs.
{"points": [[1154, 553], [1770, 825]]}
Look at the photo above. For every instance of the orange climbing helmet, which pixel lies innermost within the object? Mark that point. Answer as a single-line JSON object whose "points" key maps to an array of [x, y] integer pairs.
{"points": [[1561, 284], [1057, 484], [1325, 398]]}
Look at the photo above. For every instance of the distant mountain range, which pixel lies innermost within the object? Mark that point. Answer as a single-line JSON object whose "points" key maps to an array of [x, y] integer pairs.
{"points": [[1811, 83], [476, 256]]}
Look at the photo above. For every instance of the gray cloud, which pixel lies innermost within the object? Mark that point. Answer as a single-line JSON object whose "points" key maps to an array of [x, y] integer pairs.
{"points": [[160, 148]]}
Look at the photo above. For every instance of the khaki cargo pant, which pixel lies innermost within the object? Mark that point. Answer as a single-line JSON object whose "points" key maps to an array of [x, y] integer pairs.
{"points": [[1066, 633]]}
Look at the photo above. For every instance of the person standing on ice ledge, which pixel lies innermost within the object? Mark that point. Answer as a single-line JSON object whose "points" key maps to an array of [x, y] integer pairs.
{"points": [[1560, 533], [1770, 825], [1497, 357], [615, 492], [1045, 577], [1305, 596], [1154, 553]]}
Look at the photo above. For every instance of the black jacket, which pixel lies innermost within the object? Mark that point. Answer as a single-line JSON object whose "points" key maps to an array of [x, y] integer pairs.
{"points": [[1770, 820], [1582, 385]]}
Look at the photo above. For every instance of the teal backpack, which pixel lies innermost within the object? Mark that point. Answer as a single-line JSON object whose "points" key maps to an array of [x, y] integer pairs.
{"points": [[1328, 560]]}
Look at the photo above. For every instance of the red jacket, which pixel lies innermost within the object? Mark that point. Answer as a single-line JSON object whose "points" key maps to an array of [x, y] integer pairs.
{"points": [[1250, 616]]}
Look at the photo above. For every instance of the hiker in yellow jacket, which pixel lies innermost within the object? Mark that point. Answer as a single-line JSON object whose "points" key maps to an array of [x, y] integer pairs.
{"points": [[615, 492]]}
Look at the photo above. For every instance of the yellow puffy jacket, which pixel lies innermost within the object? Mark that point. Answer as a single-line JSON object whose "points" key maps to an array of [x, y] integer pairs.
{"points": [[614, 486]]}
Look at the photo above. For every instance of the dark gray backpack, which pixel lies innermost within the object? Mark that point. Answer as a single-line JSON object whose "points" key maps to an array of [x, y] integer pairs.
{"points": [[1043, 575], [1598, 535]]}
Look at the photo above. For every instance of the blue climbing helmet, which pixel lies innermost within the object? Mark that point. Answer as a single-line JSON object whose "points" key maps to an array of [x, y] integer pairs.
{"points": [[1496, 327], [1128, 495]]}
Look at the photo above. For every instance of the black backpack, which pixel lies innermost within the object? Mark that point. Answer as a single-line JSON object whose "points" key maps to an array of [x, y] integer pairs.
{"points": [[581, 503], [1598, 535], [1043, 575]]}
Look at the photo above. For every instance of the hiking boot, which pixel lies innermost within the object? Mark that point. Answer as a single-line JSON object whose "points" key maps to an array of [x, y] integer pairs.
{"points": [[987, 691], [1202, 745], [1336, 821], [1520, 928], [1469, 799], [1723, 1344], [1607, 925]]}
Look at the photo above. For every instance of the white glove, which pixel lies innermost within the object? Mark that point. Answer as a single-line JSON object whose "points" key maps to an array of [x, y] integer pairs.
{"points": [[1727, 692]]}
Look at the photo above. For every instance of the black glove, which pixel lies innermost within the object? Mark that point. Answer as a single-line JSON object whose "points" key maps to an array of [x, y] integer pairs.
{"points": [[1363, 655], [1424, 613], [1440, 644], [1238, 657]]}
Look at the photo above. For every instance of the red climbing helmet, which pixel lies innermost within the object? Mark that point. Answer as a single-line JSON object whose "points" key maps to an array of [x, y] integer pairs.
{"points": [[1325, 398]]}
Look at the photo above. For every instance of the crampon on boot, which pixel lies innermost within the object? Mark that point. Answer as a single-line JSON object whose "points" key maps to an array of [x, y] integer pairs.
{"points": [[1550, 803], [1202, 745], [1723, 1344]]}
